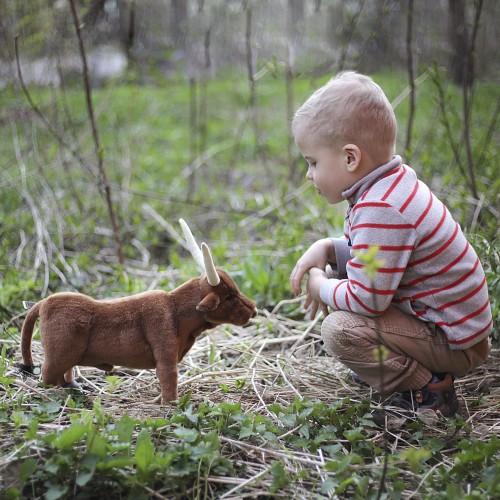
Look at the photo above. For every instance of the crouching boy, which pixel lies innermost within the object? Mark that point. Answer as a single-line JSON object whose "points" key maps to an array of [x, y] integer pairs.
{"points": [[428, 302]]}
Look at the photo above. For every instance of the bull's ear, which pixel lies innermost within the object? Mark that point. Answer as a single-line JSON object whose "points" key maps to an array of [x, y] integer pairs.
{"points": [[209, 303]]}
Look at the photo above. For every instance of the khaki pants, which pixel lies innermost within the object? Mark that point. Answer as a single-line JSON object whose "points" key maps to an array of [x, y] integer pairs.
{"points": [[413, 350]]}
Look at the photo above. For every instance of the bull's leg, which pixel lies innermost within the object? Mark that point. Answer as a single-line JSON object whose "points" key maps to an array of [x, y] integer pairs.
{"points": [[105, 367], [68, 380], [64, 349], [167, 375], [52, 374]]}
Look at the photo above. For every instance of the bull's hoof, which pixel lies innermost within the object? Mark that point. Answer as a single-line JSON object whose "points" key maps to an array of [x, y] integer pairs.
{"points": [[28, 369], [72, 385]]}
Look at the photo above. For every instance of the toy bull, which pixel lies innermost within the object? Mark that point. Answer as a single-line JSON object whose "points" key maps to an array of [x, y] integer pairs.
{"points": [[153, 329]]}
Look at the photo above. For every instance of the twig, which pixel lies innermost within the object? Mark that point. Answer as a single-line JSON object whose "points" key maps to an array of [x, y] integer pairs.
{"points": [[352, 27], [42, 117], [278, 357], [246, 482], [98, 149], [308, 330], [411, 77]]}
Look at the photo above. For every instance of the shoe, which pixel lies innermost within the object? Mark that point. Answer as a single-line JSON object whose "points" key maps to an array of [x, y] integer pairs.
{"points": [[439, 396], [354, 378]]}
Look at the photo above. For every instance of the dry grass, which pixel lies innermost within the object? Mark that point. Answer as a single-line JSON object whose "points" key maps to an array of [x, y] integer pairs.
{"points": [[277, 360]]}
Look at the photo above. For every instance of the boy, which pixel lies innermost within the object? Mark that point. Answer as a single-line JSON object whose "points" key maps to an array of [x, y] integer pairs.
{"points": [[428, 302]]}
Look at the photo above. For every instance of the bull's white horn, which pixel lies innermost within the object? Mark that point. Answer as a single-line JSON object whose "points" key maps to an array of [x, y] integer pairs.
{"points": [[192, 245], [212, 276]]}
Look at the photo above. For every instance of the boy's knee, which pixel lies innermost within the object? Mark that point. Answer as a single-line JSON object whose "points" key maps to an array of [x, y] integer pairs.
{"points": [[335, 332]]}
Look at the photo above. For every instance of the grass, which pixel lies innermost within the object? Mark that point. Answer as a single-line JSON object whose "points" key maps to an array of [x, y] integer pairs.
{"points": [[263, 410]]}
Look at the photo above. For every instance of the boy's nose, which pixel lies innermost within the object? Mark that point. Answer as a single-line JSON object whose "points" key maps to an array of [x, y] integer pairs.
{"points": [[309, 175]]}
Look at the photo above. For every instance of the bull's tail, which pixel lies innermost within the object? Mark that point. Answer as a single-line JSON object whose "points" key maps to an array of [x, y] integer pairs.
{"points": [[26, 336]]}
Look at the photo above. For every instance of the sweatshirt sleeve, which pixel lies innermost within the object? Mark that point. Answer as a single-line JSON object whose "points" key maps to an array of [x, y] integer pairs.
{"points": [[378, 225], [342, 255]]}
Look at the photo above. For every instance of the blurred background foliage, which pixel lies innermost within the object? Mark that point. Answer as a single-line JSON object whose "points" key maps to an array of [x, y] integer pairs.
{"points": [[117, 117]]}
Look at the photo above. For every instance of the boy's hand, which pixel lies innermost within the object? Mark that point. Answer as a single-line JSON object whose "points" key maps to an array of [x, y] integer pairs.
{"points": [[317, 255], [316, 279]]}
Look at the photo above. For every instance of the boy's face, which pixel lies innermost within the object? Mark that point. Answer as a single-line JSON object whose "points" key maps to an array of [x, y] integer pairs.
{"points": [[327, 167]]}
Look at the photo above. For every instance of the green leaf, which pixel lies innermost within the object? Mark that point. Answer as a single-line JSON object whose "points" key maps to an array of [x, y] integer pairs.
{"points": [[184, 400], [188, 435], [124, 429], [55, 491], [26, 469], [332, 466], [289, 420], [115, 463], [69, 437], [355, 434], [144, 452], [328, 485], [84, 477], [246, 432], [280, 476], [415, 457], [97, 445], [12, 494], [49, 407]]}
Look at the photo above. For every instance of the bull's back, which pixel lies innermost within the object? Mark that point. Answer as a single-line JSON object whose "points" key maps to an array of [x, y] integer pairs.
{"points": [[118, 333], [102, 331]]}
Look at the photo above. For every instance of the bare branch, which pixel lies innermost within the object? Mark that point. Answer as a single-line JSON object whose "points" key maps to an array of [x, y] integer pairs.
{"points": [[467, 86], [411, 77], [98, 150], [350, 33], [42, 117]]}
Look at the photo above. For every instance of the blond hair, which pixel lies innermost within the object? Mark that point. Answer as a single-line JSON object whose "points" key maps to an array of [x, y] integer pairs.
{"points": [[350, 108]]}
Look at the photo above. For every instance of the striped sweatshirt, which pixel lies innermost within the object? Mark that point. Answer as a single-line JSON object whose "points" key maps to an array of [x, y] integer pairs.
{"points": [[429, 270]]}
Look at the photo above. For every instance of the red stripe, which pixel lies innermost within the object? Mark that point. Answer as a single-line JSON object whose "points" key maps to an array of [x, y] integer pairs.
{"points": [[410, 198], [348, 304], [394, 184], [388, 174], [464, 298], [437, 228], [384, 248], [376, 291], [426, 211], [382, 226], [437, 252], [357, 299], [443, 270], [386, 270], [334, 293], [395, 171], [438, 290], [466, 318], [470, 337], [419, 314], [377, 204]]}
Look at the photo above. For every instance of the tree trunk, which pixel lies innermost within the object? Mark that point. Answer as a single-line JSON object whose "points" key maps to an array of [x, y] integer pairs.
{"points": [[461, 65], [179, 22]]}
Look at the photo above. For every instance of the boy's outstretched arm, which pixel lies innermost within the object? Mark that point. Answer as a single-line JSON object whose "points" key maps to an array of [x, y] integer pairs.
{"points": [[319, 254]]}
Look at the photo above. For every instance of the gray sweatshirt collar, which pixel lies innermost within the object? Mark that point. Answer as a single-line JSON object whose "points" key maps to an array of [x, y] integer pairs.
{"points": [[353, 194]]}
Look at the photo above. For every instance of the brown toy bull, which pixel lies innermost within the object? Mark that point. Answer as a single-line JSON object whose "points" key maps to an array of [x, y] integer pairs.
{"points": [[153, 329]]}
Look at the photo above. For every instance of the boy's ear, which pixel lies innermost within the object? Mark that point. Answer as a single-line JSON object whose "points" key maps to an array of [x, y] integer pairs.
{"points": [[352, 157]]}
